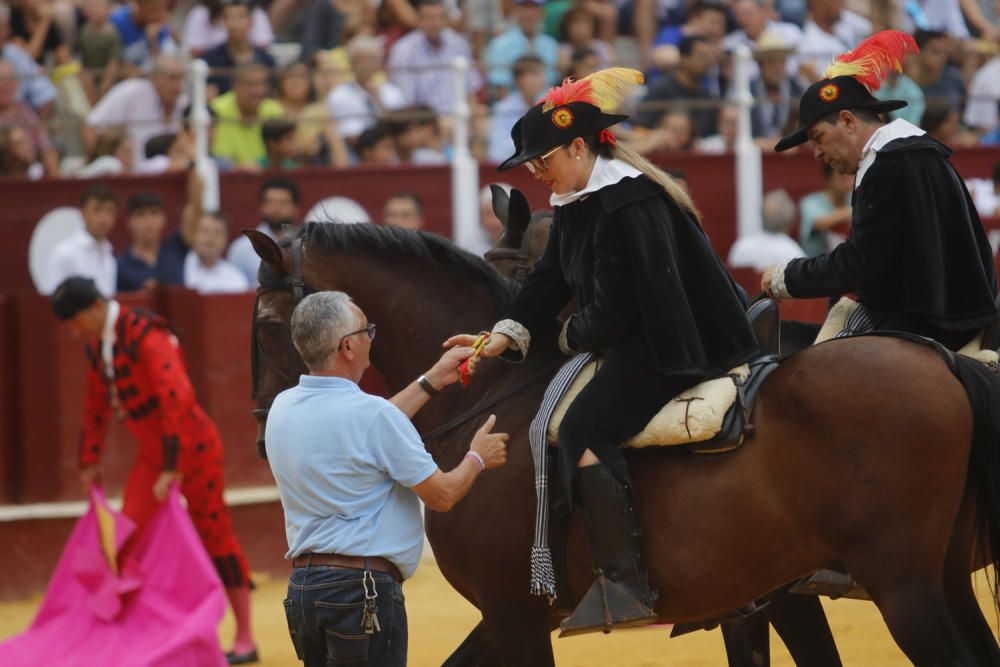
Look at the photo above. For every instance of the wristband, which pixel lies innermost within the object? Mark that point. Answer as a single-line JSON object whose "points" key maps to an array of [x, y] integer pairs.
{"points": [[477, 459], [426, 385]]}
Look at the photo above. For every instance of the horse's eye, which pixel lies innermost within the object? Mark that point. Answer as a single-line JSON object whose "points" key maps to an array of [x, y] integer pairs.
{"points": [[269, 327]]}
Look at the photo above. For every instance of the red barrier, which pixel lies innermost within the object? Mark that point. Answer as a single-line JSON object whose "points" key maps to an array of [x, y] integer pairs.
{"points": [[10, 399]]}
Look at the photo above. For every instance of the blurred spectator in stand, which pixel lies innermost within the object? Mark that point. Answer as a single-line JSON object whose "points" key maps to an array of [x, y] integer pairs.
{"points": [[579, 31], [724, 139], [32, 29], [149, 260], [144, 28], [404, 210], [417, 135], [317, 137], [279, 144], [529, 84], [521, 38], [239, 115], [705, 19], [644, 18], [755, 18], [146, 107], [984, 94], [898, 86], [87, 252], [32, 142], [170, 152], [356, 105], [236, 51], [204, 28], [685, 85], [420, 63], [992, 138], [929, 69], [941, 122], [483, 20], [943, 16], [278, 200], [675, 133], [829, 31], [205, 269], [375, 147], [583, 62], [17, 154], [100, 48], [112, 154], [825, 216], [773, 245], [323, 28], [775, 94], [34, 86]]}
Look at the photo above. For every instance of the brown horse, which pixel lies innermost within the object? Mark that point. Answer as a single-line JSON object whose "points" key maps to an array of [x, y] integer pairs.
{"points": [[861, 460]]}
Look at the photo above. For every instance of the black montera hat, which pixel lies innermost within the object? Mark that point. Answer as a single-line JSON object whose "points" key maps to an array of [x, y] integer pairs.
{"points": [[74, 294], [539, 131]]}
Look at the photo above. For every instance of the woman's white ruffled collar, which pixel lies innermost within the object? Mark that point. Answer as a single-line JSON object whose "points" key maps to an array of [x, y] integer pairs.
{"points": [[606, 172]]}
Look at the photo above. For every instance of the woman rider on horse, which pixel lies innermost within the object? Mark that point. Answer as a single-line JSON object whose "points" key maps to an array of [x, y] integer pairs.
{"points": [[656, 306]]}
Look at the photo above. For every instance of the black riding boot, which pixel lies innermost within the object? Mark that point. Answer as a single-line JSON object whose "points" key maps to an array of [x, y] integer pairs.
{"points": [[620, 597]]}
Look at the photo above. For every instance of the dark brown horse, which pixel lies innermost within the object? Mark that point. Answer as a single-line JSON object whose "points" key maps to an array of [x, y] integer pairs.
{"points": [[861, 460]]}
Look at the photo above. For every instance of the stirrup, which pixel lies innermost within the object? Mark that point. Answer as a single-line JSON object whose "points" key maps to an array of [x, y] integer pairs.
{"points": [[605, 607], [832, 584]]}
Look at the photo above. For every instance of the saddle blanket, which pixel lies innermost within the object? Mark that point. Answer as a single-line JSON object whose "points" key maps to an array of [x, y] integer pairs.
{"points": [[693, 416]]}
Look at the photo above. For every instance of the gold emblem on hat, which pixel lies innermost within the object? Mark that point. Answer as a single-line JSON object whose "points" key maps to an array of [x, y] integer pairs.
{"points": [[829, 92], [562, 118]]}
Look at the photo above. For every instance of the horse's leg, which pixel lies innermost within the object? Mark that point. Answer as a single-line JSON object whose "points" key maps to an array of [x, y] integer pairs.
{"points": [[800, 622], [748, 641], [520, 630], [476, 651]]}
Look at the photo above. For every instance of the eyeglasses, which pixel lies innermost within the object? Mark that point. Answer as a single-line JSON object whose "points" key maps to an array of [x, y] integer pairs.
{"points": [[538, 165], [369, 329]]}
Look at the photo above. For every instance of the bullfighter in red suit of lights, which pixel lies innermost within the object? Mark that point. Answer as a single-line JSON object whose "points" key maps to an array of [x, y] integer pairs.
{"points": [[137, 372]]}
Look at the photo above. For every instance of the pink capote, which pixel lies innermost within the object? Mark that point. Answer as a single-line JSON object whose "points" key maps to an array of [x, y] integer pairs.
{"points": [[156, 603]]}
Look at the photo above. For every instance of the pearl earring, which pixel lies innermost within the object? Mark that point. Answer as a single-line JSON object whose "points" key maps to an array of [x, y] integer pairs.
{"points": [[577, 157]]}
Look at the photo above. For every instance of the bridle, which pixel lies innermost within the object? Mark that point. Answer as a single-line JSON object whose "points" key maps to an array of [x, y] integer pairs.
{"points": [[519, 255]]}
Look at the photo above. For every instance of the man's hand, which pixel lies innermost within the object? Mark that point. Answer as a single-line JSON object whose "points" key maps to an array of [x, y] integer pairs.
{"points": [[90, 476], [445, 371], [162, 484], [491, 446]]}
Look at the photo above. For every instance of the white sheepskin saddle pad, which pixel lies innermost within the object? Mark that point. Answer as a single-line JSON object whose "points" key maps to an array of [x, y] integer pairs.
{"points": [[693, 416], [836, 319]]}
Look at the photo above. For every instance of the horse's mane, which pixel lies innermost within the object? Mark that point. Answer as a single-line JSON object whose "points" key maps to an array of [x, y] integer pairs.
{"points": [[395, 243]]}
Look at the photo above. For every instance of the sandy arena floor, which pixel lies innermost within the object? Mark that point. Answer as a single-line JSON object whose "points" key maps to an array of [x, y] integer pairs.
{"points": [[439, 620]]}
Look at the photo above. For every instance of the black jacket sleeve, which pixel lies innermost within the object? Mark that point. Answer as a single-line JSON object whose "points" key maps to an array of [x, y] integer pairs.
{"points": [[868, 250], [544, 292]]}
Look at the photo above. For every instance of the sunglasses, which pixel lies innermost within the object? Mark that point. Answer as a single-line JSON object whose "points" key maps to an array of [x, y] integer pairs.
{"points": [[369, 329], [538, 165]]}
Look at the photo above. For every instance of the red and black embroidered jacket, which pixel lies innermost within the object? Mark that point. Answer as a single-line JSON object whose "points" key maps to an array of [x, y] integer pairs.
{"points": [[150, 390]]}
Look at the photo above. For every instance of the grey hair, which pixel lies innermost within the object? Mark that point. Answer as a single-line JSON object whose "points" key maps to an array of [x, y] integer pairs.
{"points": [[319, 323], [778, 211], [365, 44]]}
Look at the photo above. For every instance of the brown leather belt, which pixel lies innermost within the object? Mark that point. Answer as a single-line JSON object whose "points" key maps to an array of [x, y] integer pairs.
{"points": [[374, 563]]}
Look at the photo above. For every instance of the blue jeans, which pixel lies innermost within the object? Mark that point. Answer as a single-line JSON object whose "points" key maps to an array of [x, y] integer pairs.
{"points": [[326, 608]]}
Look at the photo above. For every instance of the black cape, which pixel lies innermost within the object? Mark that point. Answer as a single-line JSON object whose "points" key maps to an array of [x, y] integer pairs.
{"points": [[635, 260], [917, 256]]}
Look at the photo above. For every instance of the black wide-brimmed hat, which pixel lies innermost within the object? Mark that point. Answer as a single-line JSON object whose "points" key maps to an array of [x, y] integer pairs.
{"points": [[74, 294], [828, 96]]}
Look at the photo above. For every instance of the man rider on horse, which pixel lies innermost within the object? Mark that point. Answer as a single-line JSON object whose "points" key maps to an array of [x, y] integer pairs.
{"points": [[917, 256]]}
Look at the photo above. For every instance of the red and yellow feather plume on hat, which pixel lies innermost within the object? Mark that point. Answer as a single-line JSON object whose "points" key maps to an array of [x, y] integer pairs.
{"points": [[604, 89], [872, 60]]}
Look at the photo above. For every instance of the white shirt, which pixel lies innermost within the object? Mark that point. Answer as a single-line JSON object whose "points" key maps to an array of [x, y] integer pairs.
{"points": [[108, 337], [133, 103], [351, 106], [790, 34], [763, 250], [819, 47], [242, 255], [106, 165], [82, 255], [220, 278], [984, 93], [200, 34], [897, 129]]}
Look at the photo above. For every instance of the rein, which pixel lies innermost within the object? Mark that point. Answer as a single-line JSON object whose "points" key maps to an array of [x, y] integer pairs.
{"points": [[519, 255]]}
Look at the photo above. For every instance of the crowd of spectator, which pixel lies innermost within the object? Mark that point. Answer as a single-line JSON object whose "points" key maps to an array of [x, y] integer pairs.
{"points": [[83, 83]]}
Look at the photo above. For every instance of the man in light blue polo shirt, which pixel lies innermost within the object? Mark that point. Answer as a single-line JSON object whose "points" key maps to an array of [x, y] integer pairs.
{"points": [[350, 468]]}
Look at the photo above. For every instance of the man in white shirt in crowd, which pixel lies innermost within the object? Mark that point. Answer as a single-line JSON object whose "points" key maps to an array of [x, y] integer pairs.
{"points": [[773, 245], [356, 105], [146, 107], [754, 19], [984, 95], [529, 84], [279, 205], [205, 270], [829, 31], [88, 252]]}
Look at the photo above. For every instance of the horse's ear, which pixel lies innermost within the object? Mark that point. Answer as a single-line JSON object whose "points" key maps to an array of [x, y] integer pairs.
{"points": [[518, 219], [265, 247], [500, 201]]}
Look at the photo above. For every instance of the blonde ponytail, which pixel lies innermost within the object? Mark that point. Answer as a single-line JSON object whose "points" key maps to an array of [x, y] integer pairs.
{"points": [[657, 175]]}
